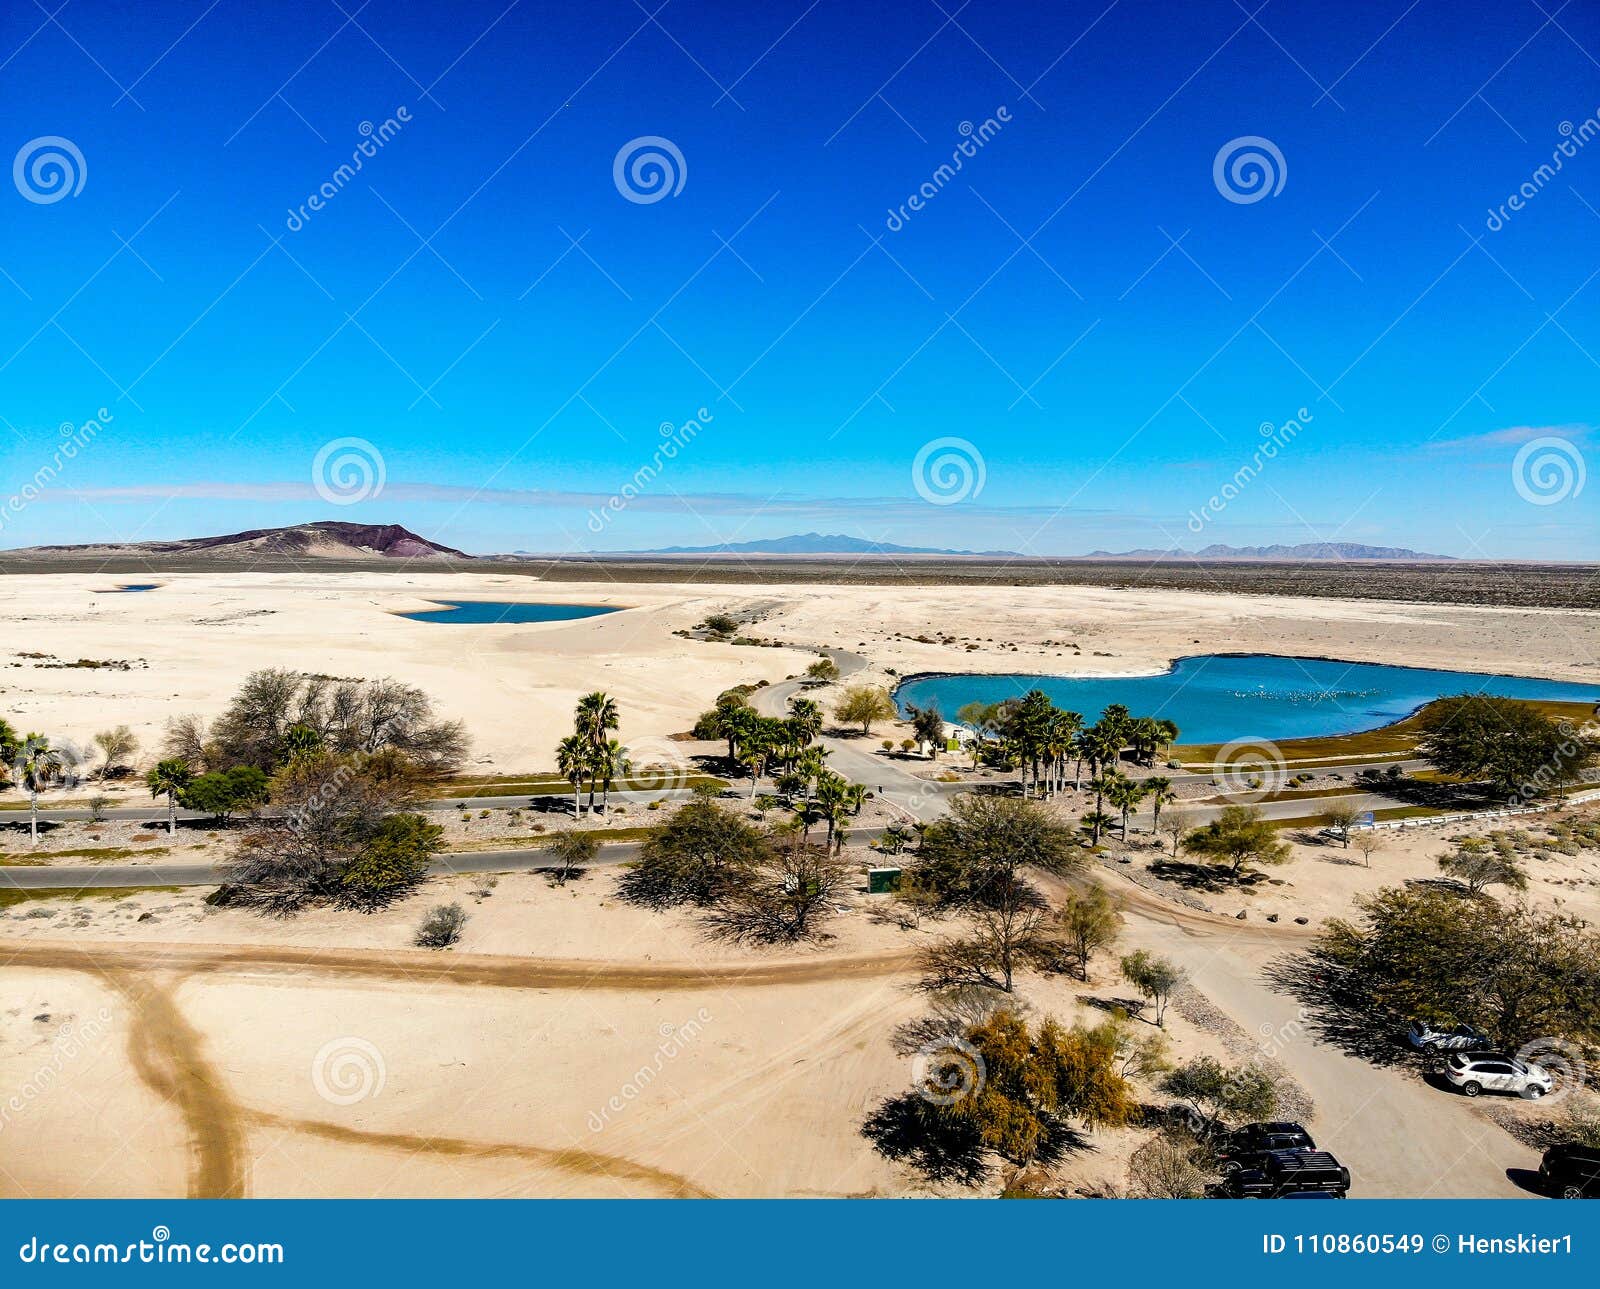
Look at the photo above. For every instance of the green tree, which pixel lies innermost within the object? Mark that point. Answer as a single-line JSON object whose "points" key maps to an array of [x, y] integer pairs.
{"points": [[393, 861], [1237, 836], [823, 671], [222, 793], [1477, 865], [1030, 1081], [573, 850], [1421, 953], [1215, 1093], [1156, 979], [928, 723], [116, 746], [695, 858], [1340, 816], [1514, 747], [983, 844], [1125, 794], [170, 779], [1088, 920], [862, 705]]}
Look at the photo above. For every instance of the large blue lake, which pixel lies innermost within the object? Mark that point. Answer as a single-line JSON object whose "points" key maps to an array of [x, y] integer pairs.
{"points": [[483, 612], [1215, 698]]}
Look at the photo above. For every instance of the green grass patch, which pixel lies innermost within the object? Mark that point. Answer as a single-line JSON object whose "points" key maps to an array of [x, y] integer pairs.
{"points": [[540, 840], [508, 786], [10, 897], [1395, 742], [98, 854]]}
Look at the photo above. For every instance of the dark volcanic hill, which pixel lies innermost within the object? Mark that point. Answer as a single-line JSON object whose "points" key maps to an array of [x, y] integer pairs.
{"points": [[325, 539]]}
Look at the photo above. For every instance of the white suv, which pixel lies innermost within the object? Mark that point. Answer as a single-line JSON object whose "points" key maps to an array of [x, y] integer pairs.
{"points": [[1475, 1072]]}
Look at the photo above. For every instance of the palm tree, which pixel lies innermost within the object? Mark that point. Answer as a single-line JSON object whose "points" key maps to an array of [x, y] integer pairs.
{"points": [[596, 717], [833, 802], [37, 764], [805, 718], [613, 764], [1145, 735], [169, 778], [1167, 732], [1160, 789], [1097, 821], [1125, 794], [572, 760]]}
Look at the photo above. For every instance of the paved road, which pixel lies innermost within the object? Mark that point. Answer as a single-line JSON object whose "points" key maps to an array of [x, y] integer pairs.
{"points": [[158, 814]]}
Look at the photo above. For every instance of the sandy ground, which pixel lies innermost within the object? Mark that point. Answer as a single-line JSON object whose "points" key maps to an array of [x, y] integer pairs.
{"points": [[660, 1064], [186, 644]]}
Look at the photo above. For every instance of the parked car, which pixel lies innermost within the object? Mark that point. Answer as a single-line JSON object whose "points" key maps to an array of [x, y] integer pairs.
{"points": [[1283, 1174], [1475, 1072], [1461, 1038], [1245, 1147], [1571, 1171]]}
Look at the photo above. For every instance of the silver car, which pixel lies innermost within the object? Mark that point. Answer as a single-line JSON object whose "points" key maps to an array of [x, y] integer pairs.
{"points": [[1475, 1072], [1460, 1038]]}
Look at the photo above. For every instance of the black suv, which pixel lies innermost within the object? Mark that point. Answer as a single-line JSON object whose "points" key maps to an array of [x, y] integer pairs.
{"points": [[1571, 1171], [1246, 1147], [1282, 1174]]}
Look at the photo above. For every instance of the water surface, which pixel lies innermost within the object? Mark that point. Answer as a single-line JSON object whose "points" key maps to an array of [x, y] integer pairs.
{"points": [[482, 612], [1214, 698]]}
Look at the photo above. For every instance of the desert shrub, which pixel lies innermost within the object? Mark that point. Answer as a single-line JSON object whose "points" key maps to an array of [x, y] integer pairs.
{"points": [[442, 927]]}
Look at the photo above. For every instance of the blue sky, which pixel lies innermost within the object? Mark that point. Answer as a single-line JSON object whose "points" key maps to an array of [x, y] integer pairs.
{"points": [[1102, 327]]}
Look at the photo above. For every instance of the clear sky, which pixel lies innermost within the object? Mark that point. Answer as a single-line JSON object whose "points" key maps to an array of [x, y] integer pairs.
{"points": [[1101, 315]]}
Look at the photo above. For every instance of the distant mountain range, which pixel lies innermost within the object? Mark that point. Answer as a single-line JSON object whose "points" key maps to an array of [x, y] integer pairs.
{"points": [[816, 544], [1304, 551], [326, 539], [334, 540]]}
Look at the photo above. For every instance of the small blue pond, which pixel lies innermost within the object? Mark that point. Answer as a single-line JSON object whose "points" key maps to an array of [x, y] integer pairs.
{"points": [[1215, 698], [127, 587], [481, 612]]}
